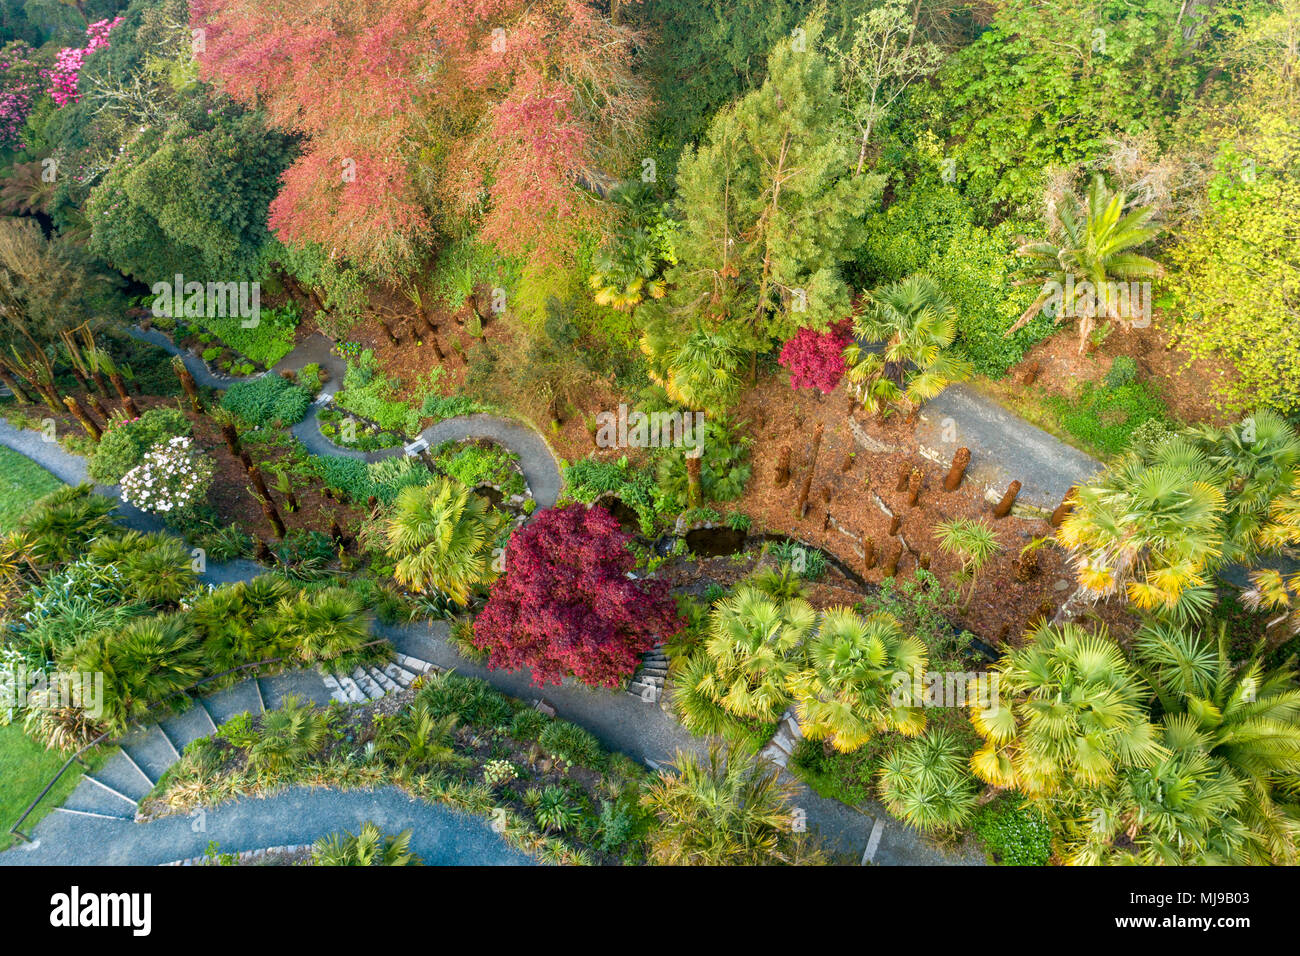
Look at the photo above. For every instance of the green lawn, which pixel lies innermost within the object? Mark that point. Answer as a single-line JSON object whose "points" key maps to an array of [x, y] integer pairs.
{"points": [[26, 767], [22, 481]]}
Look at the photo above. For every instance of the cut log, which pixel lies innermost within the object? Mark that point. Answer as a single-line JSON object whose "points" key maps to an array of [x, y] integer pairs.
{"points": [[782, 476], [1008, 500], [957, 470], [1063, 509], [891, 565]]}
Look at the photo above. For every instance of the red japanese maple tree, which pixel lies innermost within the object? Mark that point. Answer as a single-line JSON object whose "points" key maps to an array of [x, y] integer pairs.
{"points": [[816, 359], [566, 605]]}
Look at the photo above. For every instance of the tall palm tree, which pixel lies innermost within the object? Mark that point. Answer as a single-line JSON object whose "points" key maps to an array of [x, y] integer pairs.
{"points": [[918, 325], [1152, 525], [1092, 242], [1067, 710], [368, 847], [927, 783], [746, 662], [1247, 719], [723, 810], [973, 542], [859, 680], [442, 536]]}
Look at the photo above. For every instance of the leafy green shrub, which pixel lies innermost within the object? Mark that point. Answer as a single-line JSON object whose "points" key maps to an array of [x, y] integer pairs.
{"points": [[124, 443], [848, 778], [439, 407], [808, 563], [1105, 417], [528, 724], [473, 700], [1014, 833], [348, 476], [724, 470], [588, 479], [267, 399], [389, 476], [372, 396], [270, 340], [575, 744], [309, 377], [1123, 371], [480, 464]]}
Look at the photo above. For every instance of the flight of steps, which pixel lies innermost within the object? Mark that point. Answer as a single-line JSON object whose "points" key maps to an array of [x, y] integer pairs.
{"points": [[781, 747], [648, 681], [369, 683], [114, 790]]}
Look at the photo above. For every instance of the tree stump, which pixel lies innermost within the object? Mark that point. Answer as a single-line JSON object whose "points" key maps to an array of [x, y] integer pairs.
{"points": [[904, 476], [1004, 506], [895, 522], [868, 553], [1031, 373], [782, 477], [914, 488], [802, 509], [891, 565], [1063, 509], [957, 471]]}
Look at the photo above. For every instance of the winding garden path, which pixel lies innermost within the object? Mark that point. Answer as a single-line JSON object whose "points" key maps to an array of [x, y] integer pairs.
{"points": [[101, 830]]}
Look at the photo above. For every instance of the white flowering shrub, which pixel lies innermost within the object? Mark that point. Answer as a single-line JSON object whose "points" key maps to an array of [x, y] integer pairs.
{"points": [[171, 479]]}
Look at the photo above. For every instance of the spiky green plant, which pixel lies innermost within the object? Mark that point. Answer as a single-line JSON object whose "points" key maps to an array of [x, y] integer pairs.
{"points": [[419, 738], [323, 625], [927, 783], [746, 662], [60, 525], [918, 325], [143, 663], [290, 735], [723, 810], [974, 543], [442, 536], [368, 847], [859, 680]]}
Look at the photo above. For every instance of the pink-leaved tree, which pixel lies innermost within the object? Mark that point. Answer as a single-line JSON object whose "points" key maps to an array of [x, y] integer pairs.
{"points": [[816, 359]]}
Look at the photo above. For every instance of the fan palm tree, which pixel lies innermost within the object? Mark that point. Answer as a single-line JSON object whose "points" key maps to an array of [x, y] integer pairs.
{"points": [[1092, 242], [144, 662], [1184, 810], [157, 567], [442, 536], [419, 738], [723, 810], [1152, 525], [1247, 719], [290, 734], [746, 662], [918, 325], [61, 524], [700, 371], [974, 543], [1258, 461], [927, 783], [1067, 711], [368, 847], [859, 680], [323, 625]]}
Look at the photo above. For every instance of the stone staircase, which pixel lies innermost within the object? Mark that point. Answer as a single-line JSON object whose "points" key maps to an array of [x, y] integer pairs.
{"points": [[648, 681], [115, 789], [369, 683], [781, 747]]}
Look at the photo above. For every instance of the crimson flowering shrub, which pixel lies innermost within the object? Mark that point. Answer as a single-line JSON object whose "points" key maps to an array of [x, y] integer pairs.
{"points": [[565, 604], [816, 359], [67, 63]]}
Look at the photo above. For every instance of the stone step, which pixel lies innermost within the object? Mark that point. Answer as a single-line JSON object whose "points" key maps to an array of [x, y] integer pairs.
{"points": [[657, 670], [399, 673], [304, 684], [372, 690], [90, 797], [122, 776], [230, 702], [643, 691], [354, 694], [645, 678], [389, 685], [186, 727], [150, 749], [776, 756], [414, 664], [336, 690]]}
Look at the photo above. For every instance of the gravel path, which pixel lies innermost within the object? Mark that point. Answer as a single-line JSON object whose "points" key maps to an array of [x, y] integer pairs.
{"points": [[1003, 447], [299, 815]]}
